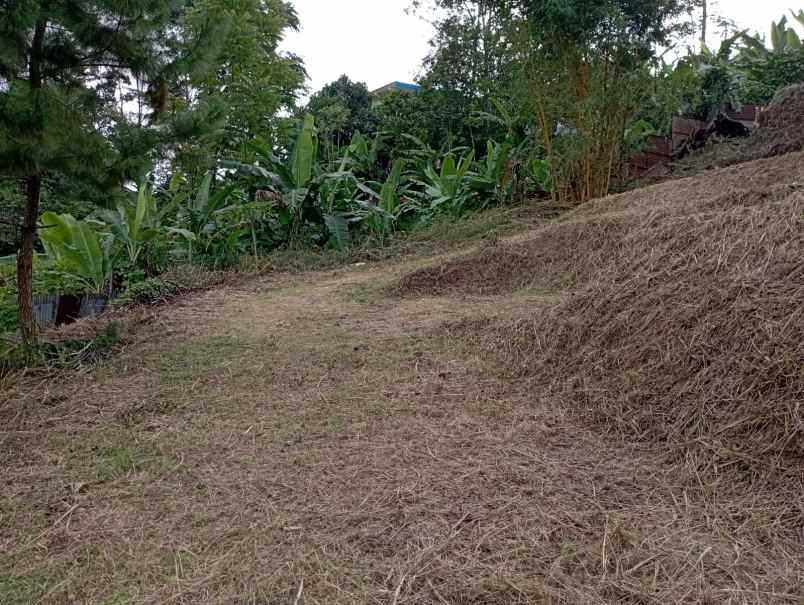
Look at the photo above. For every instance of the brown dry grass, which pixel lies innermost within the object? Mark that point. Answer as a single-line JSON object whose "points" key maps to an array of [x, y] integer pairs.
{"points": [[687, 323], [309, 439]]}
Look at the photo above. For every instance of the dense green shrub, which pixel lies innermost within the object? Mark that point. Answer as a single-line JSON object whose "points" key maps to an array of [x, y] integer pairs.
{"points": [[767, 74], [146, 292]]}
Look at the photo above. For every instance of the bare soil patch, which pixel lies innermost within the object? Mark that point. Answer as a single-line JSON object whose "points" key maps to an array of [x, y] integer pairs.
{"points": [[493, 271]]}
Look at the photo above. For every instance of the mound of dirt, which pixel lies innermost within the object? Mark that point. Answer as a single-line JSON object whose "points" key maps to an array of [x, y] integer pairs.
{"points": [[541, 262], [692, 335], [568, 253], [494, 270], [781, 125], [687, 323]]}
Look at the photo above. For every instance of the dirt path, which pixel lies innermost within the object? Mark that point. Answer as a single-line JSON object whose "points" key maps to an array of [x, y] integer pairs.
{"points": [[316, 441]]}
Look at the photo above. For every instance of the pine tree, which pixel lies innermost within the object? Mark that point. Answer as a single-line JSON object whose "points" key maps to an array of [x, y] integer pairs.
{"points": [[62, 65]]}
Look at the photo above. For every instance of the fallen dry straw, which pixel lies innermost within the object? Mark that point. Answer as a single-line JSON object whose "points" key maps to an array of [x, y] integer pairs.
{"points": [[686, 327]]}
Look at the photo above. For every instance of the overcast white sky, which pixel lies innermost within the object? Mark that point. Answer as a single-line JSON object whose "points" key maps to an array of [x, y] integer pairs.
{"points": [[375, 42], [371, 41]]}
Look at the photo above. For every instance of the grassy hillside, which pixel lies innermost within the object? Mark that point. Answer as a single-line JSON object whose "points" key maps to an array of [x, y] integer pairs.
{"points": [[606, 408], [683, 315]]}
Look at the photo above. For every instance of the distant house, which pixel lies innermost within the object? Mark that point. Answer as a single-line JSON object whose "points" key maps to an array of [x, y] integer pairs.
{"points": [[394, 87]]}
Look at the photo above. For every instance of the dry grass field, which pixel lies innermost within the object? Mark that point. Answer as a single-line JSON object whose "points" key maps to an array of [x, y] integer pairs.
{"points": [[606, 408]]}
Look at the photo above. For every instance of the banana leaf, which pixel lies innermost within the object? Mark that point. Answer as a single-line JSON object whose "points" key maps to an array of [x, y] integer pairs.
{"points": [[202, 197], [777, 35], [78, 247], [305, 152], [338, 227]]}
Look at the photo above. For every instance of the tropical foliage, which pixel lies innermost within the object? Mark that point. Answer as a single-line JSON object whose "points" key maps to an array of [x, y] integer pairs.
{"points": [[176, 137]]}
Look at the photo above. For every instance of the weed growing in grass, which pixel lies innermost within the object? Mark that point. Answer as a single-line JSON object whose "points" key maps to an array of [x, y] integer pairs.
{"points": [[116, 463], [66, 354]]}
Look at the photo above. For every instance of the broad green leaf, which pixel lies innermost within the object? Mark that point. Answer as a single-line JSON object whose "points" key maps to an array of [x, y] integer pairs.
{"points": [[395, 176], [202, 197], [464, 165], [305, 153], [295, 198], [78, 246], [388, 198], [185, 233], [777, 39], [338, 228], [143, 203], [368, 190], [55, 234], [253, 169], [448, 168]]}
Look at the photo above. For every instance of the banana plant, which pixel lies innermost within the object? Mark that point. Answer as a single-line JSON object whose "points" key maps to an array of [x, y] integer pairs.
{"points": [[77, 247], [199, 219], [421, 153], [382, 211], [303, 188], [362, 156], [305, 154], [135, 225], [448, 188], [538, 169], [783, 39], [336, 198], [495, 177], [293, 180]]}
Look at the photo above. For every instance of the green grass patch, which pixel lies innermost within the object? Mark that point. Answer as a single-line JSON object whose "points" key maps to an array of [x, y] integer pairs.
{"points": [[114, 453], [21, 590], [369, 292]]}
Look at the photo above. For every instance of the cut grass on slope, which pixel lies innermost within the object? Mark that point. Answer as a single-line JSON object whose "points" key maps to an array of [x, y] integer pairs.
{"points": [[310, 439], [687, 324]]}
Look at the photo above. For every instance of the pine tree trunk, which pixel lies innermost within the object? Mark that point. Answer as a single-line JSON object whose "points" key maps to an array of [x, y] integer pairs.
{"points": [[25, 260], [33, 186]]}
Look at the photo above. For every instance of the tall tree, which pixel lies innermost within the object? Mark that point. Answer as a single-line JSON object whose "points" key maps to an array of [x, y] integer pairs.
{"points": [[474, 50], [249, 80], [475, 56], [61, 65], [341, 109]]}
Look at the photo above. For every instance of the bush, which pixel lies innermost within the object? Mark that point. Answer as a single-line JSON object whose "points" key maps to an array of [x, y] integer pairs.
{"points": [[59, 355], [146, 292], [14, 356], [49, 278], [768, 74]]}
